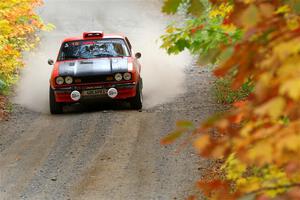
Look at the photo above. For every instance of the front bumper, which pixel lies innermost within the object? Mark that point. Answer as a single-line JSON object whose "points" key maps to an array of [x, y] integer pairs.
{"points": [[125, 91]]}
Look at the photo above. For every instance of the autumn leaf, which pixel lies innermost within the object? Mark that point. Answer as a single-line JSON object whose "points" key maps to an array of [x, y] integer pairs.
{"points": [[196, 7], [171, 6], [239, 104], [18, 24], [291, 88], [273, 108], [283, 9], [202, 142], [261, 128], [184, 125], [171, 137]]}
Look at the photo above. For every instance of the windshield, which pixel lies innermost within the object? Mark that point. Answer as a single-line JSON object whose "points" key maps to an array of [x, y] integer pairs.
{"points": [[86, 49]]}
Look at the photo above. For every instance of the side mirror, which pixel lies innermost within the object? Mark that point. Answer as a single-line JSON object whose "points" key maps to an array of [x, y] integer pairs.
{"points": [[138, 55], [50, 62]]}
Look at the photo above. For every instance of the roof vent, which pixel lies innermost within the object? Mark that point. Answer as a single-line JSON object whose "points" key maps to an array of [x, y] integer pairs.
{"points": [[93, 34]]}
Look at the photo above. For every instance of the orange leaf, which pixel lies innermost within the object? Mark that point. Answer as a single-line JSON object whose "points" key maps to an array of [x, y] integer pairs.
{"points": [[239, 104], [220, 189], [250, 16], [202, 142], [191, 198]]}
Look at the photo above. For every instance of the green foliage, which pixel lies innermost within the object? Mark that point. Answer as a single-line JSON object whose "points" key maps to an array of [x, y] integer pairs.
{"points": [[204, 34], [171, 6], [195, 7], [2, 85], [225, 94]]}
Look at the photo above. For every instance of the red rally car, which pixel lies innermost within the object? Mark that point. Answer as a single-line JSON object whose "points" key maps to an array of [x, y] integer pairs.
{"points": [[95, 67]]}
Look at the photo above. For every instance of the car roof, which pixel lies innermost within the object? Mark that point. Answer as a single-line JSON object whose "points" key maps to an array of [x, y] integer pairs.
{"points": [[105, 36]]}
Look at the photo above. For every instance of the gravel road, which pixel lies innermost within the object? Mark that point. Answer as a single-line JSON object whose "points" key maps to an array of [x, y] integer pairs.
{"points": [[103, 152]]}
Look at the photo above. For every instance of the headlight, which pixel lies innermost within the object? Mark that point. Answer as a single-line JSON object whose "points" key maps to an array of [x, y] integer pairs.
{"points": [[59, 80], [69, 80], [118, 77], [127, 76]]}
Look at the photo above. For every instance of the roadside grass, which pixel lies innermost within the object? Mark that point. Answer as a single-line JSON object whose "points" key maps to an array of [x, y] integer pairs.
{"points": [[5, 107], [226, 95], [4, 88]]}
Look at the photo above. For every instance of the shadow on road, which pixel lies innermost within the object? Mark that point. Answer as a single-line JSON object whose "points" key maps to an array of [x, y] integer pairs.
{"points": [[96, 107]]}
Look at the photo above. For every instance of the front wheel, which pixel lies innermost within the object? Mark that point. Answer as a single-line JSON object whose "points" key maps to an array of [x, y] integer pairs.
{"points": [[55, 108], [137, 101]]}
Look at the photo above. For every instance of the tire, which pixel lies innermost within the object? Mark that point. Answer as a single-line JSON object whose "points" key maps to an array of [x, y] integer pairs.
{"points": [[55, 108], [137, 101]]}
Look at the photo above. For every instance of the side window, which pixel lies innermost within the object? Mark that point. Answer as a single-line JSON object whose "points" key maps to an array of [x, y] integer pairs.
{"points": [[130, 47]]}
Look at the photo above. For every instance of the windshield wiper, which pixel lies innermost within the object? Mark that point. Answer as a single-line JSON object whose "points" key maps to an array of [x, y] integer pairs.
{"points": [[103, 55], [72, 57]]}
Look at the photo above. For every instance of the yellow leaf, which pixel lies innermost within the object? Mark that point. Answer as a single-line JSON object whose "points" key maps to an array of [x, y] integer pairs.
{"points": [[230, 28], [248, 1], [223, 10], [170, 29], [293, 23], [291, 88], [290, 142], [283, 9], [234, 168], [289, 67], [265, 78], [247, 128], [49, 27], [286, 49], [252, 184], [260, 153], [272, 108], [241, 181]]}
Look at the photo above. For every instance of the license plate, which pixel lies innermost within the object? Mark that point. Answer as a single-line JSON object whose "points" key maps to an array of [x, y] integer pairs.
{"points": [[97, 92]]}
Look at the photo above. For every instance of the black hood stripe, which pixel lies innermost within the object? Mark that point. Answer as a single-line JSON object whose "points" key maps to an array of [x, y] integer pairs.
{"points": [[93, 67]]}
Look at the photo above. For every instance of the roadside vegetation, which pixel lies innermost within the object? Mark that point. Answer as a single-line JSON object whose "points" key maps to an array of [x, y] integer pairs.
{"points": [[255, 46], [18, 33], [226, 95]]}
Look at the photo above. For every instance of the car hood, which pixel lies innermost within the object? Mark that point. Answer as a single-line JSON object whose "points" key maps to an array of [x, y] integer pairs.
{"points": [[93, 67]]}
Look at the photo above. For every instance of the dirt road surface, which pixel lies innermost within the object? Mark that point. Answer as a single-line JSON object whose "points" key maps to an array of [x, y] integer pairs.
{"points": [[103, 152]]}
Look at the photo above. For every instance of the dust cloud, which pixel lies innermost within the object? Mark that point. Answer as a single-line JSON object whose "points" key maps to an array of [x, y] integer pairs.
{"points": [[141, 21], [163, 75]]}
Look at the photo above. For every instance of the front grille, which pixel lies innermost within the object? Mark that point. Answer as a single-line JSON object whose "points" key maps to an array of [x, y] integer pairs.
{"points": [[92, 79]]}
